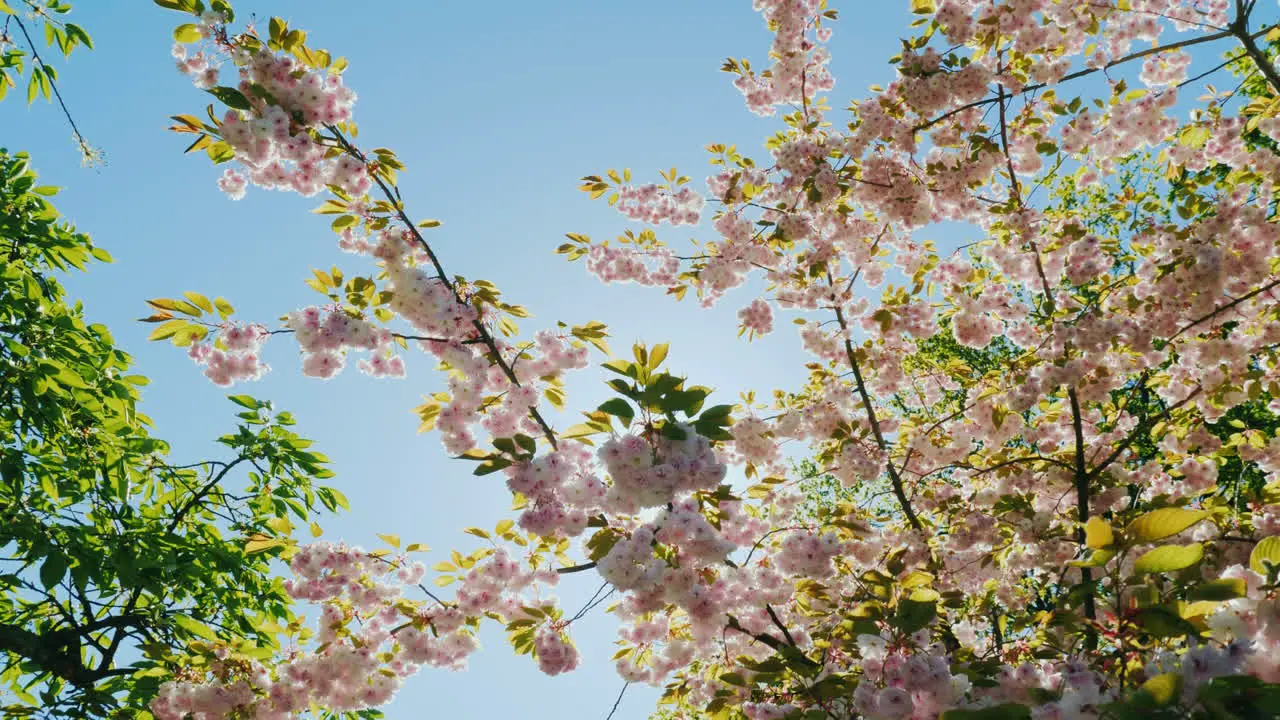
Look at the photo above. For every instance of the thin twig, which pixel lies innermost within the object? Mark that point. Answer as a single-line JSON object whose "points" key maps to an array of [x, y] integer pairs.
{"points": [[618, 701], [85, 149]]}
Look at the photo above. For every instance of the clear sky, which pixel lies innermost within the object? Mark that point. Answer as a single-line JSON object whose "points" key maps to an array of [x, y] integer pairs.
{"points": [[497, 109]]}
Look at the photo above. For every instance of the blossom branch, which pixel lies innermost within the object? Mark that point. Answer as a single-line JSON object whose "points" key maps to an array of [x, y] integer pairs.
{"points": [[393, 197]]}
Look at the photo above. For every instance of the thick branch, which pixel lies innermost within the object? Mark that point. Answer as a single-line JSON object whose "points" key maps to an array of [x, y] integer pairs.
{"points": [[771, 641], [1240, 28], [1082, 515], [58, 652]]}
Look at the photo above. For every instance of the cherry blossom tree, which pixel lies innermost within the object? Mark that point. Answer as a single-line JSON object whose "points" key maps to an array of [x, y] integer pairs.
{"points": [[1069, 423]]}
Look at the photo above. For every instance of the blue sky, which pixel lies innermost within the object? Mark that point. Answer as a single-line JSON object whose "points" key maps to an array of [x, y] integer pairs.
{"points": [[497, 110]]}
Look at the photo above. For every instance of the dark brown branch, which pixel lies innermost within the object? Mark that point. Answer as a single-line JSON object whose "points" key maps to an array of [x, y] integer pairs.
{"points": [[1082, 515], [1240, 28], [109, 656], [1133, 436], [1247, 296], [575, 568], [769, 640], [778, 621], [898, 489], [1087, 71]]}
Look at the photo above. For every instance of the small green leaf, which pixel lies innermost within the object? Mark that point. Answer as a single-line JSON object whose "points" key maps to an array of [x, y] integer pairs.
{"points": [[245, 401], [230, 97], [619, 408], [1223, 589]]}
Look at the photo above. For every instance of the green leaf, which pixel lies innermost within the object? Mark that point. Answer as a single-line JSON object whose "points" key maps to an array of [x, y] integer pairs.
{"points": [[246, 401], [199, 300], [1163, 523], [230, 97], [195, 627], [1169, 558], [51, 572], [913, 616], [1163, 622], [619, 408], [1223, 589], [1266, 551], [657, 354]]}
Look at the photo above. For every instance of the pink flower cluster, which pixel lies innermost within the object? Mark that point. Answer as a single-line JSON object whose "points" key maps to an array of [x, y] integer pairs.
{"points": [[556, 654], [233, 356], [757, 318], [799, 72], [284, 99], [650, 474], [325, 334], [654, 204]]}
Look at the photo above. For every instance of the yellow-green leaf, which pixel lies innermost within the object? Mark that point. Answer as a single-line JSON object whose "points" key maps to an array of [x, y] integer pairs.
{"points": [[186, 33], [167, 329], [1163, 523], [1098, 533], [392, 540], [280, 525], [1267, 551], [199, 301], [1164, 689], [1169, 558], [260, 544], [195, 627]]}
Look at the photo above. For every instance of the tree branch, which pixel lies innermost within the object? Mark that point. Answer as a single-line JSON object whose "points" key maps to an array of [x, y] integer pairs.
{"points": [[1082, 515], [1240, 29], [485, 336]]}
